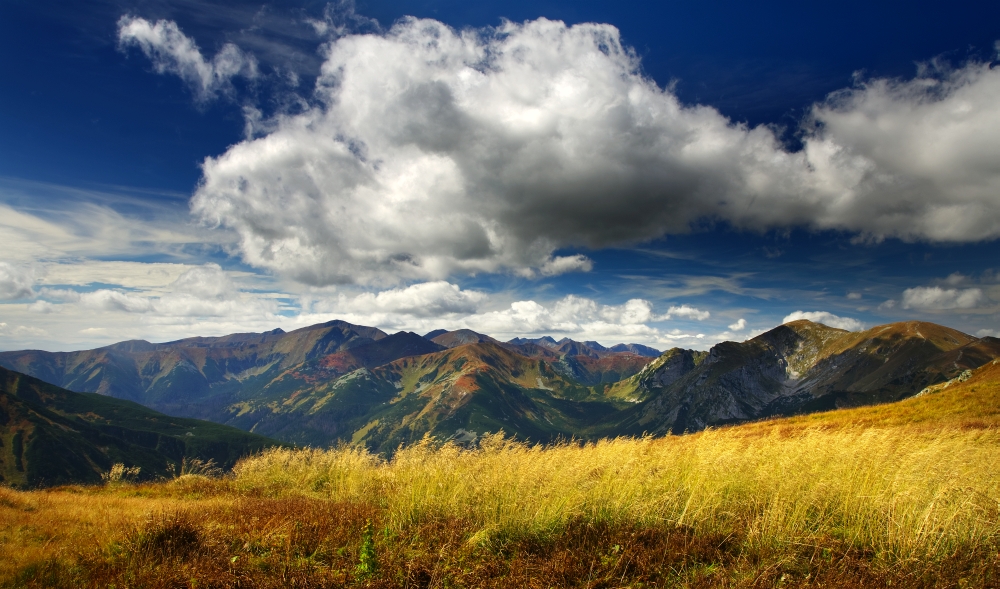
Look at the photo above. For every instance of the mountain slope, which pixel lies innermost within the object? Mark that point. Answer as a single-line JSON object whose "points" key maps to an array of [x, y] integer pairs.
{"points": [[192, 377], [464, 391], [460, 337], [49, 436], [338, 382], [797, 367]]}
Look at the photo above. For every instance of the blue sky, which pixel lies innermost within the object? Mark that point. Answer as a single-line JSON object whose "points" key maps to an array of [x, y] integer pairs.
{"points": [[672, 175]]}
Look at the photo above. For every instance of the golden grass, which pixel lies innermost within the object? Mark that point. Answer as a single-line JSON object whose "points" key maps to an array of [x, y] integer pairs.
{"points": [[903, 498], [906, 494], [67, 522]]}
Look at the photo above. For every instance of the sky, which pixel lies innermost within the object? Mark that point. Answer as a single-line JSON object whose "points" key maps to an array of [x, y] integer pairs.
{"points": [[670, 175]]}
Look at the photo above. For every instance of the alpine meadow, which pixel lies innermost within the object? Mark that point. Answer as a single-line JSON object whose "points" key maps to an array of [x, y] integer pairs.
{"points": [[429, 295]]}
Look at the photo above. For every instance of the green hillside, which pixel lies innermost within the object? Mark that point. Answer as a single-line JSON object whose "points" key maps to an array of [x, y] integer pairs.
{"points": [[52, 436]]}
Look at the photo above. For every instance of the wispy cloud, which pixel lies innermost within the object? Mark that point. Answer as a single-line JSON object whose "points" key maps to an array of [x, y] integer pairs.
{"points": [[171, 51], [47, 222]]}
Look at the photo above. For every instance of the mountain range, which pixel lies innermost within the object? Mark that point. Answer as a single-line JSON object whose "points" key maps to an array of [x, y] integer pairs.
{"points": [[338, 382]]}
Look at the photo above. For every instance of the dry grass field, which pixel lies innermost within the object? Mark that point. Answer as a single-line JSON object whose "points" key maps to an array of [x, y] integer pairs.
{"points": [[901, 495]]}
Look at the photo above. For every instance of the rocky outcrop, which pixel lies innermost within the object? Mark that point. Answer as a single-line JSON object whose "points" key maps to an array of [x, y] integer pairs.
{"points": [[800, 367]]}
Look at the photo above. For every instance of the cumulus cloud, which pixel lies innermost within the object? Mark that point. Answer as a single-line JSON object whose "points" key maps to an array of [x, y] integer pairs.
{"points": [[571, 316], [430, 151], [429, 299], [988, 333], [937, 298], [16, 282], [739, 325], [115, 300], [687, 312], [20, 331], [426, 306], [924, 154], [173, 52], [209, 281], [826, 318], [564, 264]]}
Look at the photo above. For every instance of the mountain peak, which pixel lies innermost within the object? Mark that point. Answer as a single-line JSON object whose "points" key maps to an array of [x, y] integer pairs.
{"points": [[461, 337]]}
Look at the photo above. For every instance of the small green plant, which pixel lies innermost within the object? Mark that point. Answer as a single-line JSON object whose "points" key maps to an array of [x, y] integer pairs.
{"points": [[367, 559], [120, 474]]}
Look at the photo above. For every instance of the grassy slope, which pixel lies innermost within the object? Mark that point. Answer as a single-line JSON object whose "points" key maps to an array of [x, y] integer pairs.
{"points": [[895, 495], [53, 436]]}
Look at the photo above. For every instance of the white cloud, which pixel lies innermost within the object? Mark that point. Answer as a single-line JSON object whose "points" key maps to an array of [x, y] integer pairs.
{"points": [[739, 325], [115, 300], [431, 152], [209, 281], [925, 155], [21, 331], [171, 51], [854, 296], [687, 312], [570, 316], [956, 278], [826, 318], [564, 264], [988, 333], [340, 18], [427, 306], [16, 282], [428, 299], [937, 298], [205, 291], [42, 307], [42, 223]]}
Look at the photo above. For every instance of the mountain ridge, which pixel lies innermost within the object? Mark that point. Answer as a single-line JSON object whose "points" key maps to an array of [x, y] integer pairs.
{"points": [[336, 382]]}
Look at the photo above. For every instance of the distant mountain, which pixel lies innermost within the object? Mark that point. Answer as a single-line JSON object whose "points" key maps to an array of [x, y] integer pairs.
{"points": [[795, 368], [194, 377], [460, 337], [53, 436], [588, 348], [474, 388], [340, 382], [635, 349], [544, 341]]}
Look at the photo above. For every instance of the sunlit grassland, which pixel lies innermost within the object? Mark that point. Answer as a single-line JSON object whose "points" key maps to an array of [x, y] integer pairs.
{"points": [[899, 496], [896, 495]]}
